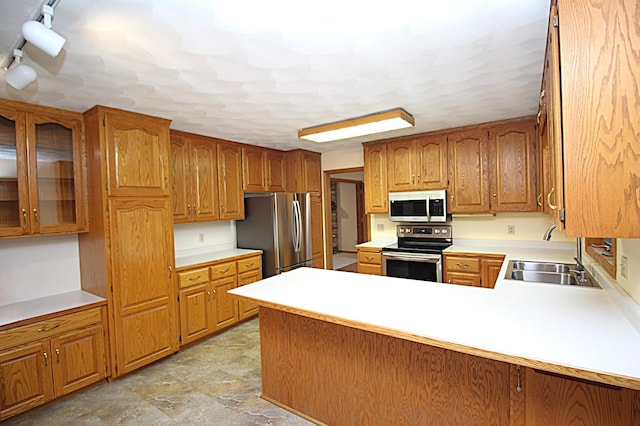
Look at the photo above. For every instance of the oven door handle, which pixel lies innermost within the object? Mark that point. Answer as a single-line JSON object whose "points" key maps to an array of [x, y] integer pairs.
{"points": [[412, 256]]}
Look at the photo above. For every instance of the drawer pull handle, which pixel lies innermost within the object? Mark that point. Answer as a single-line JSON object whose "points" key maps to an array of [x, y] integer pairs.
{"points": [[369, 257], [551, 206], [35, 216], [248, 265], [195, 278], [43, 329], [214, 293], [208, 295], [462, 265], [222, 271], [57, 355], [46, 359], [24, 217]]}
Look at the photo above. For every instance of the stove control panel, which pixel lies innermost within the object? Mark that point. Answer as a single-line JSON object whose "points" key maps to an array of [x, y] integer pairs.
{"points": [[424, 231]]}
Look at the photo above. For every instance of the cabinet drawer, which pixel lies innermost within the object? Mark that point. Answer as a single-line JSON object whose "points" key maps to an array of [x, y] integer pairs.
{"points": [[47, 328], [370, 257], [197, 276], [366, 268], [223, 270], [462, 264], [252, 263]]}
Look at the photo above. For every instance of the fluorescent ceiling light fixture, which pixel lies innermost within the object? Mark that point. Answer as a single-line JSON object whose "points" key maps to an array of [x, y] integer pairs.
{"points": [[378, 122], [21, 75], [41, 35]]}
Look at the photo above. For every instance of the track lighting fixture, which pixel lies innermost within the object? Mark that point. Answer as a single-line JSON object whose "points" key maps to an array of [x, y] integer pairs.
{"points": [[21, 75], [41, 35]]}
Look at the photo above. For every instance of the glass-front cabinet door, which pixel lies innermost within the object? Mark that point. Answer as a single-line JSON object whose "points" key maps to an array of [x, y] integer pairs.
{"points": [[14, 192], [54, 153], [41, 170]]}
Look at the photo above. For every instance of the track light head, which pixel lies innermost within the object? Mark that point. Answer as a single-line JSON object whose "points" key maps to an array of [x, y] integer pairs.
{"points": [[21, 75], [41, 35]]}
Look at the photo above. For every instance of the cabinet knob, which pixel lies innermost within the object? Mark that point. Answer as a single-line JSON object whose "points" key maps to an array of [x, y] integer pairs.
{"points": [[35, 216], [24, 217], [57, 355], [170, 271], [46, 359]]}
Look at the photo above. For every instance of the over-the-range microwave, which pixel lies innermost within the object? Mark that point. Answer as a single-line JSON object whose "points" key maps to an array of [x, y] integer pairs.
{"points": [[418, 206]]}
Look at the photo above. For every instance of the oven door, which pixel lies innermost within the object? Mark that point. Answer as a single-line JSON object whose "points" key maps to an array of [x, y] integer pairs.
{"points": [[416, 266]]}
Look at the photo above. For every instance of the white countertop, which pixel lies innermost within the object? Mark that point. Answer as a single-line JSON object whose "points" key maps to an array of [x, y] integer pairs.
{"points": [[378, 242], [582, 330], [190, 259], [35, 308]]}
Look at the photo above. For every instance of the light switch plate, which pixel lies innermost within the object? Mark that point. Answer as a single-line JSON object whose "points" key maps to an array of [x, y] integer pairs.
{"points": [[201, 237], [624, 264], [381, 227]]}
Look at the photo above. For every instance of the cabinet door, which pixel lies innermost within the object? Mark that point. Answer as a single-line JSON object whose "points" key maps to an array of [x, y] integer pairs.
{"points": [[312, 172], [204, 183], [144, 301], [253, 170], [56, 174], [14, 189], [317, 241], [25, 378], [78, 359], [431, 162], [230, 182], [469, 171], [137, 155], [181, 184], [225, 308], [275, 171], [490, 270], [375, 178], [247, 309], [196, 313], [400, 166], [513, 167]]}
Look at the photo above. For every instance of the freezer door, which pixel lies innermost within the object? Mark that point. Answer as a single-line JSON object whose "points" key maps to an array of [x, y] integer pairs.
{"points": [[292, 230]]}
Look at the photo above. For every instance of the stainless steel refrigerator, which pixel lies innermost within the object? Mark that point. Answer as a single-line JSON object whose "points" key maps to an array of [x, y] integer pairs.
{"points": [[279, 224]]}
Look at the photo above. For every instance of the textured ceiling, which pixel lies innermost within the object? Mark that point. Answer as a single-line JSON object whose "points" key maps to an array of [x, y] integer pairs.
{"points": [[257, 71]]}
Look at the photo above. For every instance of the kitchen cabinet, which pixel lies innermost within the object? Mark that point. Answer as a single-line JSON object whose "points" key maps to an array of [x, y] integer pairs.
{"points": [[375, 178], [127, 256], [369, 260], [230, 181], [205, 305], [600, 106], [262, 170], [304, 171], [469, 170], [513, 166], [317, 240], [50, 358], [195, 178], [417, 163], [476, 270], [42, 185]]}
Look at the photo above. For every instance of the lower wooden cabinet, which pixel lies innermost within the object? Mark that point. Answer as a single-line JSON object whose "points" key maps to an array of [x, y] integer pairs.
{"points": [[205, 305], [477, 270], [48, 359], [370, 260]]}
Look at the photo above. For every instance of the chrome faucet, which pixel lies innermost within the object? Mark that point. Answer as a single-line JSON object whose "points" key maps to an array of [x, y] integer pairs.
{"points": [[547, 235]]}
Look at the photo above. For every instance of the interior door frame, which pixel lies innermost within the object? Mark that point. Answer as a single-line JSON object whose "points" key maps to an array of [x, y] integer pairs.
{"points": [[326, 195]]}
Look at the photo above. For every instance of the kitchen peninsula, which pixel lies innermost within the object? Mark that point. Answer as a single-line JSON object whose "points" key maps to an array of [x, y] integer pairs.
{"points": [[344, 348]]}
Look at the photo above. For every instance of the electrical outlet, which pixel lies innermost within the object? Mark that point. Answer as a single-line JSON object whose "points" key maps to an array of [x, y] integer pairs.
{"points": [[201, 237], [381, 227], [623, 266], [511, 229]]}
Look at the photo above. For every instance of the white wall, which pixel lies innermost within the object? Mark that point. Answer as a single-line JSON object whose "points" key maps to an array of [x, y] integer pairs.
{"points": [[216, 236], [347, 219], [34, 267]]}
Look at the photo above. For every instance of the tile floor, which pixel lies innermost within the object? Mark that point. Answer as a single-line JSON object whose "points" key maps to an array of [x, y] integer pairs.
{"points": [[214, 382]]}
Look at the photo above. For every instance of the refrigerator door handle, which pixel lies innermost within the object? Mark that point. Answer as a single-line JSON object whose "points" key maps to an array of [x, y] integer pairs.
{"points": [[296, 226]]}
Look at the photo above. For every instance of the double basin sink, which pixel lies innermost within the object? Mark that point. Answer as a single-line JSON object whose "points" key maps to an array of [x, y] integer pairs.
{"points": [[549, 272]]}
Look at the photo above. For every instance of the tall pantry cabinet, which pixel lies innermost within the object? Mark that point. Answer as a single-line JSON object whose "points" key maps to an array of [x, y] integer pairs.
{"points": [[127, 256]]}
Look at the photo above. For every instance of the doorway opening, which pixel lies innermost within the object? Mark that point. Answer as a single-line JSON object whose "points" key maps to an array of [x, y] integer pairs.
{"points": [[346, 223]]}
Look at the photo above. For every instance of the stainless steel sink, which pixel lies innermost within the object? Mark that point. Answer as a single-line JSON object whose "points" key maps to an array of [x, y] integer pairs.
{"points": [[548, 272], [541, 266]]}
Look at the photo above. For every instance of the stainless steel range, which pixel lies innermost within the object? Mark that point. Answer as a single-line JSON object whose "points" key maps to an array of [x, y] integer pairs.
{"points": [[418, 253]]}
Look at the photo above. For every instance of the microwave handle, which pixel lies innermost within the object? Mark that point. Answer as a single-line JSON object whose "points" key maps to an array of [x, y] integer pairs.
{"points": [[428, 208]]}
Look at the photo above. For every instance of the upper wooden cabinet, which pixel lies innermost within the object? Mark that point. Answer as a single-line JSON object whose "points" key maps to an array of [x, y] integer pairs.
{"points": [[417, 163], [137, 153], [195, 178], [512, 159], [304, 171], [599, 65], [230, 181], [469, 170], [42, 185], [262, 170], [375, 178]]}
